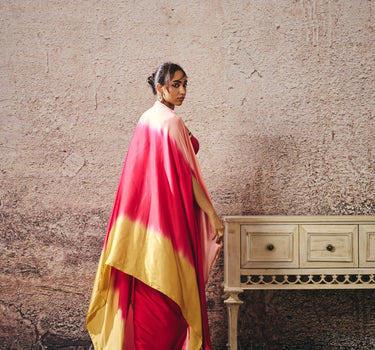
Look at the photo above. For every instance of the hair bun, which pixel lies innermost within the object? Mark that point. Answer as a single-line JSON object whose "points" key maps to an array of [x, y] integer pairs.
{"points": [[151, 81]]}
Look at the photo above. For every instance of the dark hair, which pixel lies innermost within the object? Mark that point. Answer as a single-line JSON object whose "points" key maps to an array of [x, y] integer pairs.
{"points": [[163, 75]]}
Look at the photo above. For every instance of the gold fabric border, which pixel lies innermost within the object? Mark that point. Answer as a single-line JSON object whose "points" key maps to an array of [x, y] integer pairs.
{"points": [[150, 257]]}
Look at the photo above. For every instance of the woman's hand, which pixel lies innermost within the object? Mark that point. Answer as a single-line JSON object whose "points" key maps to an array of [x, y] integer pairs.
{"points": [[217, 226], [207, 207]]}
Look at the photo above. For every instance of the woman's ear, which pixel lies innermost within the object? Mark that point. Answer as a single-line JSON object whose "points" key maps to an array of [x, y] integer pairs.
{"points": [[159, 88]]}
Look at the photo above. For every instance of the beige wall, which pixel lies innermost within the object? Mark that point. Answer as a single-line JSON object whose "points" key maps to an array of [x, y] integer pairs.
{"points": [[281, 98]]}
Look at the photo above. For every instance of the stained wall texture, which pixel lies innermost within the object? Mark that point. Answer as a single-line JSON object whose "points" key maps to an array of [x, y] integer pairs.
{"points": [[281, 97]]}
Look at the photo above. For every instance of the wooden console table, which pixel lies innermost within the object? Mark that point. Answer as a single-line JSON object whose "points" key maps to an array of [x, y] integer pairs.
{"points": [[295, 252]]}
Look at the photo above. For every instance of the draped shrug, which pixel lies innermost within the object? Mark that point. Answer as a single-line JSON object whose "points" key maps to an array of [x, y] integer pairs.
{"points": [[156, 233]]}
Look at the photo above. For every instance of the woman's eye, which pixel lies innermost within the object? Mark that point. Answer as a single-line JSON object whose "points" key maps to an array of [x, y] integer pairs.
{"points": [[175, 85]]}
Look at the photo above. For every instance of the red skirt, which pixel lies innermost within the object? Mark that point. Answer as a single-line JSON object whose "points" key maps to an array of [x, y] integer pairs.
{"points": [[158, 321]]}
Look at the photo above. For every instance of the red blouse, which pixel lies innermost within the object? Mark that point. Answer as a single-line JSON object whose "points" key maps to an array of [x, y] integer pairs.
{"points": [[194, 142]]}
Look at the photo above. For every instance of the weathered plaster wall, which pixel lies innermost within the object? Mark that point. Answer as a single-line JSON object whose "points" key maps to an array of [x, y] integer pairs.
{"points": [[281, 97]]}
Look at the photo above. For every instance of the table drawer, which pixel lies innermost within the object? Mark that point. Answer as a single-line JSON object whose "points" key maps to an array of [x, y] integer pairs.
{"points": [[367, 245], [328, 246], [269, 246]]}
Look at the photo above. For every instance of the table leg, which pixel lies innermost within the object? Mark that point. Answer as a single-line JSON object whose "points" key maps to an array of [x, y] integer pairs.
{"points": [[233, 303]]}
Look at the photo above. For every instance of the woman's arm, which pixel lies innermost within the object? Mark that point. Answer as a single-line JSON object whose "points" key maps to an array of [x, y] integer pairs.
{"points": [[206, 206]]}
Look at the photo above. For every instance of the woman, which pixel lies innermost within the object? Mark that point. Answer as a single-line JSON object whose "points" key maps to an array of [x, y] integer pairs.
{"points": [[162, 238]]}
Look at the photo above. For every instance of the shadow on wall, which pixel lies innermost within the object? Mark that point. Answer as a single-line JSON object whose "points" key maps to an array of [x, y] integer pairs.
{"points": [[318, 319], [296, 177]]}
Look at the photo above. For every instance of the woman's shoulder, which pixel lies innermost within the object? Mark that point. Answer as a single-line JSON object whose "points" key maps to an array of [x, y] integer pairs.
{"points": [[161, 116]]}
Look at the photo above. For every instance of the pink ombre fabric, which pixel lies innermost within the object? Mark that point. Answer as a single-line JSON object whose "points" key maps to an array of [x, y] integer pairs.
{"points": [[158, 248]]}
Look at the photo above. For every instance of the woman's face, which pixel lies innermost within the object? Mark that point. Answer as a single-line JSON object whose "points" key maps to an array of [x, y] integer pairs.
{"points": [[174, 91]]}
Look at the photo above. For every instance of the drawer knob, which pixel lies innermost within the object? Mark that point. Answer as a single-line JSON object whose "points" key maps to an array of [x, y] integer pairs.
{"points": [[330, 247], [270, 247]]}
